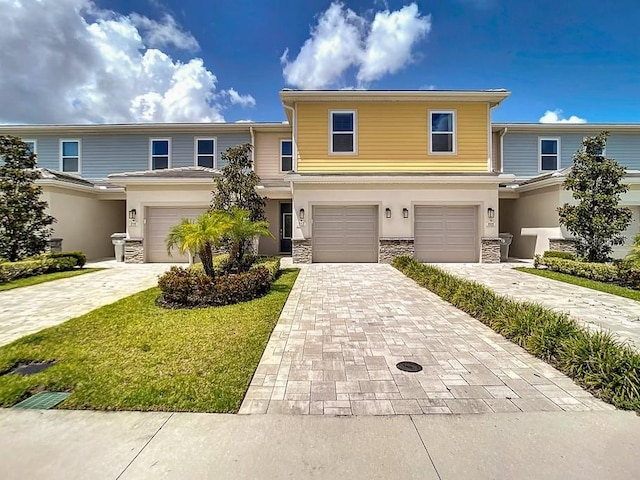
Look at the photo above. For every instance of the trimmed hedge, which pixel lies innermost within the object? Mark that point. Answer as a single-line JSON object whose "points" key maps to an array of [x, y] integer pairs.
{"points": [[609, 368], [10, 271], [81, 258], [190, 288], [222, 264], [622, 272], [563, 255]]}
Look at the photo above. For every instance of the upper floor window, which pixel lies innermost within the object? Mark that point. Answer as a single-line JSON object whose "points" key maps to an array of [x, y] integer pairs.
{"points": [[160, 153], [32, 146], [549, 153], [206, 152], [70, 156], [286, 155], [343, 132], [442, 132]]}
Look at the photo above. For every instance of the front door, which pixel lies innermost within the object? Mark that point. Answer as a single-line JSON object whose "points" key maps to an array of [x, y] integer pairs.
{"points": [[286, 227]]}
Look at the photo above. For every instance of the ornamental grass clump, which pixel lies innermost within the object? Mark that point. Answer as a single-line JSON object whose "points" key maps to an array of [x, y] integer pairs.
{"points": [[598, 361]]}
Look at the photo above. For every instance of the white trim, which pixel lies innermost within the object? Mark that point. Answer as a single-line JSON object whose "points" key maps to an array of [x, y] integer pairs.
{"points": [[281, 155], [35, 144], [558, 164], [400, 179], [354, 132], [63, 140], [453, 132], [159, 139], [489, 140], [196, 155], [502, 134]]}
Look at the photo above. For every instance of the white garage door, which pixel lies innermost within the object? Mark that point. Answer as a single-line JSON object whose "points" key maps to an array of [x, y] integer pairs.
{"points": [[345, 234], [159, 221], [446, 234]]}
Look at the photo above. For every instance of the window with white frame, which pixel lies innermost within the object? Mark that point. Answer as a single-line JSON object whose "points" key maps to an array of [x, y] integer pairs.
{"points": [[32, 145], [549, 153], [343, 132], [206, 152], [442, 132], [70, 156], [160, 153], [286, 155]]}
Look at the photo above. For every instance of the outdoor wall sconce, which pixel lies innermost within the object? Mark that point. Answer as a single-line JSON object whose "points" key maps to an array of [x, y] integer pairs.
{"points": [[491, 213], [302, 214], [387, 212], [132, 214], [405, 212]]}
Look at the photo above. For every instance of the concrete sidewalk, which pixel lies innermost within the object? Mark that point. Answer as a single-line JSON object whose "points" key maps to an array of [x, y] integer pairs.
{"points": [[70, 445]]}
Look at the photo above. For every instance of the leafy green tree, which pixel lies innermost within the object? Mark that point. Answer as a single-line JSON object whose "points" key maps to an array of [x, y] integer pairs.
{"points": [[200, 236], [25, 226], [241, 230], [237, 186], [597, 221], [634, 256]]}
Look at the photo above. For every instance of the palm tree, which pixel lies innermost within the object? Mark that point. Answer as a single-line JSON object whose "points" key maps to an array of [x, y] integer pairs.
{"points": [[242, 229], [201, 236]]}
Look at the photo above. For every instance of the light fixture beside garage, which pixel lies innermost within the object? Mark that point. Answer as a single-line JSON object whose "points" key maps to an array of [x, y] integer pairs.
{"points": [[491, 213], [132, 214], [387, 212], [405, 212], [301, 217]]}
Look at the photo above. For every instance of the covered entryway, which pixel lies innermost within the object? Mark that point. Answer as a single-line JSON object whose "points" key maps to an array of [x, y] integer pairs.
{"points": [[444, 234], [345, 234], [159, 221]]}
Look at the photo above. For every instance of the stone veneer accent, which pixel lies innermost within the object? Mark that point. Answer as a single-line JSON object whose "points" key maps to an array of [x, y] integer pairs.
{"points": [[302, 251], [53, 245], [391, 248], [490, 250], [133, 250], [562, 245]]}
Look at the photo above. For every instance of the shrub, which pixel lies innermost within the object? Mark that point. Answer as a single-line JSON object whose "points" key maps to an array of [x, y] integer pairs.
{"points": [[628, 273], [597, 361], [563, 255], [81, 258], [601, 272], [10, 271]]}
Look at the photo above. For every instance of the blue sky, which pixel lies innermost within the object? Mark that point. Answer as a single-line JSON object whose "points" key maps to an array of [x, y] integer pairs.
{"points": [[580, 57]]}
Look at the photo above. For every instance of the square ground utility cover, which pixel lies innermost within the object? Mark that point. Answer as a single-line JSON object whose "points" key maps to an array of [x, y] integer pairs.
{"points": [[42, 401]]}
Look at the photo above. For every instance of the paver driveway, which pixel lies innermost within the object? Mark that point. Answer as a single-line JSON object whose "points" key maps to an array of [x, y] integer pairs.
{"points": [[345, 327], [30, 309]]}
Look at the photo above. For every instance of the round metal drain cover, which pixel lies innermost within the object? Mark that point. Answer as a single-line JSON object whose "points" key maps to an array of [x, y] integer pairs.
{"points": [[411, 367]]}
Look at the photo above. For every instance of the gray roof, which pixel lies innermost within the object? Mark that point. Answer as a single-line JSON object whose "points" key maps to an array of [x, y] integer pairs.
{"points": [[179, 172], [563, 173], [48, 174]]}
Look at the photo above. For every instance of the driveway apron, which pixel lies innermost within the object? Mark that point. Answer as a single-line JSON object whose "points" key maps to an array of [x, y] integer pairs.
{"points": [[345, 327]]}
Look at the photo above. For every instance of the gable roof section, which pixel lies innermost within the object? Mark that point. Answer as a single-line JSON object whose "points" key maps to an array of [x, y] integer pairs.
{"points": [[190, 174]]}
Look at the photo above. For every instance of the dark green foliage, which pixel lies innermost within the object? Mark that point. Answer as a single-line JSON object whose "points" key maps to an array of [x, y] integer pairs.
{"points": [[563, 255], [601, 272], [237, 186], [597, 361], [223, 264], [596, 183], [10, 271], [628, 273], [24, 225], [81, 258]]}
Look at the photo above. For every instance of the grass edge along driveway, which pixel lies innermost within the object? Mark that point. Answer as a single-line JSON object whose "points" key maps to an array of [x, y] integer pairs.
{"points": [[46, 277], [134, 355]]}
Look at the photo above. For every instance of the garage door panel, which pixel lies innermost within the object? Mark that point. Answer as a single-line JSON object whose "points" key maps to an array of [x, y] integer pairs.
{"points": [[345, 234], [159, 222], [446, 233]]}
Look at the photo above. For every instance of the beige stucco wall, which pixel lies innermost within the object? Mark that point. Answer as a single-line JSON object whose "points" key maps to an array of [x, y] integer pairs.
{"points": [[84, 222], [396, 197], [271, 246], [267, 154]]}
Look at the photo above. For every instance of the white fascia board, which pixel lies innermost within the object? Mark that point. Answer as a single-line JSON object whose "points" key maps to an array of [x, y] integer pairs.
{"points": [[159, 181], [399, 179]]}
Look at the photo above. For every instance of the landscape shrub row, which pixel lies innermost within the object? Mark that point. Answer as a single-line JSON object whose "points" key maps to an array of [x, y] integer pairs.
{"points": [[46, 263], [222, 264], [565, 255], [597, 361], [622, 272]]}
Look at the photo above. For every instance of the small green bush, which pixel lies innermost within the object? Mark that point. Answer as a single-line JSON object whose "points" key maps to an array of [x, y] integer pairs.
{"points": [[628, 274], [597, 361], [10, 271], [81, 258], [600, 272], [563, 255]]}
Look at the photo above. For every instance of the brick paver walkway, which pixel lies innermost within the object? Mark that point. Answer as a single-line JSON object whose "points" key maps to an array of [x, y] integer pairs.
{"points": [[30, 309], [345, 327], [594, 309]]}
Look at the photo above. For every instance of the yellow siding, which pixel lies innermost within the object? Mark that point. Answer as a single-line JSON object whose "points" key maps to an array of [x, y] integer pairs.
{"points": [[267, 154], [392, 137]]}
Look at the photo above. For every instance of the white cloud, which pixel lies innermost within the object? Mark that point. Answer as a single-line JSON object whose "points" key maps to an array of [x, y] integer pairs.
{"points": [[555, 116], [244, 121], [81, 64], [236, 99], [164, 34], [342, 40]]}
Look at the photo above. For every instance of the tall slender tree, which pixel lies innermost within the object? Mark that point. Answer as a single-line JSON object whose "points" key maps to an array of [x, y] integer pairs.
{"points": [[596, 220], [25, 226]]}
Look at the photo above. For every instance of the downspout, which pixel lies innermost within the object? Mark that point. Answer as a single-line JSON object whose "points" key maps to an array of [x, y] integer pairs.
{"points": [[253, 148], [502, 134]]}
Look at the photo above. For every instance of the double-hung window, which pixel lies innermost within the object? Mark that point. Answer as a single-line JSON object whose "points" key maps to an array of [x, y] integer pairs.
{"points": [[549, 154], [206, 152], [32, 146], [160, 153], [70, 156], [286, 155], [442, 132], [343, 132]]}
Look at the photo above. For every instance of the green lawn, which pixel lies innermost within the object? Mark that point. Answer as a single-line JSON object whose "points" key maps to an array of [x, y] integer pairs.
{"points": [[585, 282], [134, 355], [47, 277]]}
